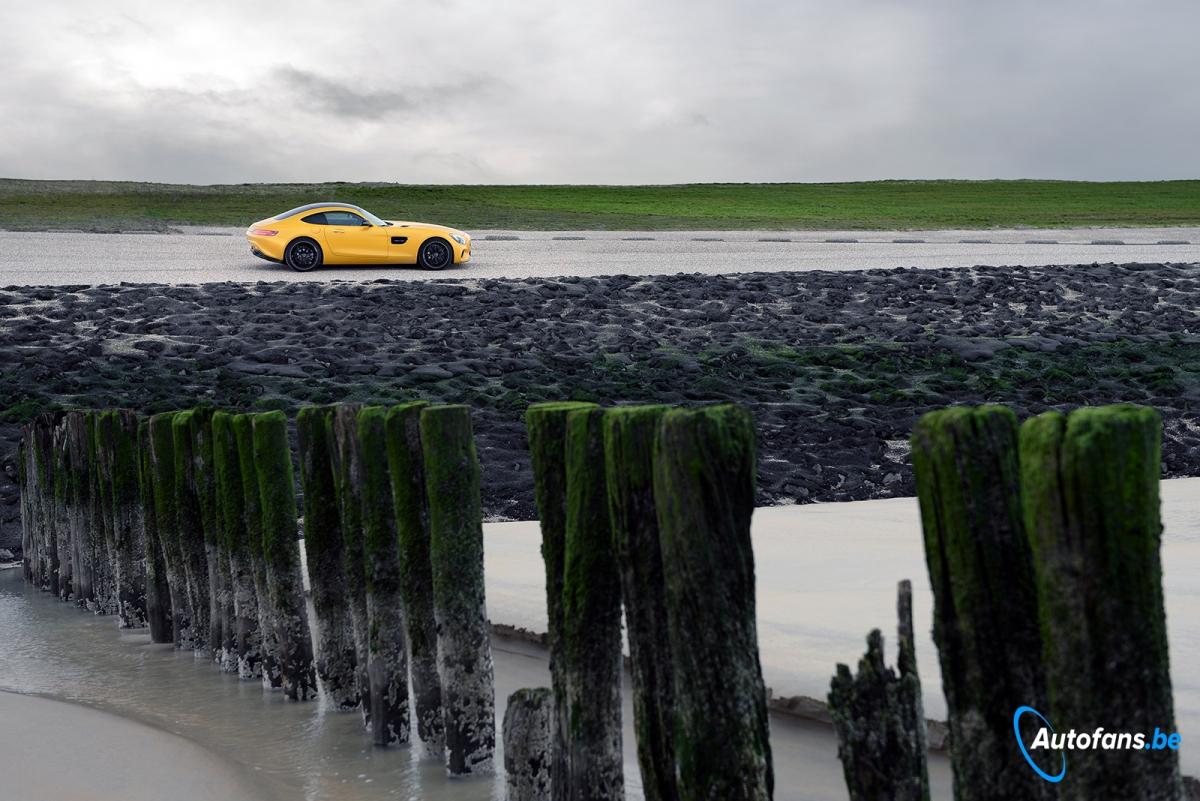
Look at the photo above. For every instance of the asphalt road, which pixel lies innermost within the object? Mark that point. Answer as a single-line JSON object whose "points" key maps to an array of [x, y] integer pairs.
{"points": [[221, 254]]}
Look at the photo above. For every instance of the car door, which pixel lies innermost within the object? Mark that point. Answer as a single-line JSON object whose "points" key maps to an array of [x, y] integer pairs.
{"points": [[352, 238]]}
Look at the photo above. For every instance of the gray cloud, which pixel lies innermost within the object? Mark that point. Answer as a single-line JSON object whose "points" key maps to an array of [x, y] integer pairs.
{"points": [[620, 92]]}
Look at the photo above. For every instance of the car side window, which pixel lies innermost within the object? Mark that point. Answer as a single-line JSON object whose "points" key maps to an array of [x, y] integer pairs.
{"points": [[347, 218], [315, 219]]}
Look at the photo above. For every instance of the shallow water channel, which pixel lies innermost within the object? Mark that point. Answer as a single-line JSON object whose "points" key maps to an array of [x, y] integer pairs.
{"points": [[298, 750]]}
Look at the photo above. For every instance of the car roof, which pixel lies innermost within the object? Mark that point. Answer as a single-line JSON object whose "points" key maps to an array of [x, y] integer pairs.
{"points": [[311, 206]]}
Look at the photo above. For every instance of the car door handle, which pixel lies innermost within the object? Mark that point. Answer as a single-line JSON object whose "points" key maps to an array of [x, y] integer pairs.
{"points": [[338, 231]]}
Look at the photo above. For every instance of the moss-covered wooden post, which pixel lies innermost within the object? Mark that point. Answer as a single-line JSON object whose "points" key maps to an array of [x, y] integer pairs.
{"points": [[189, 527], [244, 641], [28, 520], [704, 494], [269, 665], [984, 599], [166, 518], [158, 588], [547, 426], [388, 665], [45, 568], [527, 746], [65, 507], [456, 555], [335, 655], [220, 601], [591, 627], [342, 432], [1091, 500], [406, 464], [118, 439], [629, 434], [880, 719], [79, 495], [273, 461]]}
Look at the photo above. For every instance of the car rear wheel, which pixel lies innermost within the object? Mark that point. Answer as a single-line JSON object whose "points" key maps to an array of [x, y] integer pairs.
{"points": [[303, 255], [435, 254]]}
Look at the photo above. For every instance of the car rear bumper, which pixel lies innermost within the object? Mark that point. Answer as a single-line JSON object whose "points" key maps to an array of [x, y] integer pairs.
{"points": [[258, 252]]}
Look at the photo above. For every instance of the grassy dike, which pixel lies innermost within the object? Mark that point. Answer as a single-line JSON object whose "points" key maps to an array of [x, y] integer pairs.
{"points": [[120, 206]]}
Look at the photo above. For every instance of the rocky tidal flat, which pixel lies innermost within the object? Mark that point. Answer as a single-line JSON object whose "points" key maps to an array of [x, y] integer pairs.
{"points": [[836, 367]]}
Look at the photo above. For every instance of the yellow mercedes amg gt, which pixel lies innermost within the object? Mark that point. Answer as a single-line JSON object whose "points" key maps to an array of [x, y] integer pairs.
{"points": [[340, 233]]}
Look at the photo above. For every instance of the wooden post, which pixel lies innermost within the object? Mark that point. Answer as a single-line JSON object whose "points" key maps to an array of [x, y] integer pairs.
{"points": [[527, 744], [189, 523], [79, 500], [103, 569], [244, 645], [158, 588], [336, 660], [704, 494], [388, 665], [547, 426], [270, 663], [64, 507], [220, 600], [118, 457], [1090, 484], [985, 604], [591, 627], [342, 433], [880, 719], [456, 556], [406, 464], [629, 434], [166, 518], [273, 461]]}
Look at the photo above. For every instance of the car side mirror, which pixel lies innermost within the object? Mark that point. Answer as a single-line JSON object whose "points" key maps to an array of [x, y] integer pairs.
{"points": [[367, 223]]}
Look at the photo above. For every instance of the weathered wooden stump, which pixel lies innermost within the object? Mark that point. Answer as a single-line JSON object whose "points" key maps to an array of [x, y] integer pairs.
{"points": [[342, 431], [456, 556], [527, 744], [244, 640], [117, 438], [270, 663], [629, 473], [704, 494], [79, 491], [158, 588], [273, 461], [102, 525], [220, 600], [985, 604], [1090, 488], [880, 719], [591, 631], [189, 522], [547, 426], [166, 518], [336, 660], [406, 464], [388, 666], [64, 508]]}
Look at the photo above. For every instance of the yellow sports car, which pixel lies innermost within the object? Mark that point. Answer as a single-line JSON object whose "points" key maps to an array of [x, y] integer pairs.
{"points": [[340, 233]]}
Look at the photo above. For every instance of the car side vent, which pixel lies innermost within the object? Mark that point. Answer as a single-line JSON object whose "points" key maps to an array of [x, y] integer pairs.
{"points": [[399, 240]]}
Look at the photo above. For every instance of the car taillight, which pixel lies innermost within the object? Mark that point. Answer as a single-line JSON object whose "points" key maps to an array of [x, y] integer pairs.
{"points": [[262, 232]]}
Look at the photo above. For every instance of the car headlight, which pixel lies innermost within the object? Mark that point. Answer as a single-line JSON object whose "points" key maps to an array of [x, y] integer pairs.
{"points": [[459, 238]]}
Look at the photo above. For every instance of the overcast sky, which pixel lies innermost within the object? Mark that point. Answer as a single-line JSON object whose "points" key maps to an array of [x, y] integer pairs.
{"points": [[604, 91]]}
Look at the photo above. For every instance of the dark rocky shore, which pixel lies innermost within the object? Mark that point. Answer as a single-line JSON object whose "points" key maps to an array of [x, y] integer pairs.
{"points": [[836, 366]]}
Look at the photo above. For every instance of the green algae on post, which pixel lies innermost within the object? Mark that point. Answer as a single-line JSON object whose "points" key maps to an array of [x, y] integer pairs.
{"points": [[1090, 483], [120, 441], [243, 639], [273, 462], [334, 646], [527, 744], [342, 433], [629, 434], [704, 495], [166, 516], [547, 426], [158, 590], [456, 556], [220, 601], [985, 604], [189, 522], [406, 464], [269, 667], [388, 666]]}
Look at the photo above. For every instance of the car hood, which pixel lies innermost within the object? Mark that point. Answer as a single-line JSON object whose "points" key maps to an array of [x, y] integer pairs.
{"points": [[430, 226]]}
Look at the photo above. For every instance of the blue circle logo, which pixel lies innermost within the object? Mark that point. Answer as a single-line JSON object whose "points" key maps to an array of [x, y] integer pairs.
{"points": [[1055, 778]]}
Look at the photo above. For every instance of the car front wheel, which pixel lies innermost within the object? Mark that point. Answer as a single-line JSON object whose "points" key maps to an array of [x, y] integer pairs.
{"points": [[435, 254], [303, 255]]}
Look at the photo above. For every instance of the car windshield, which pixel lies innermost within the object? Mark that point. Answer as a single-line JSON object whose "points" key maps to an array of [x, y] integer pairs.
{"points": [[371, 218]]}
